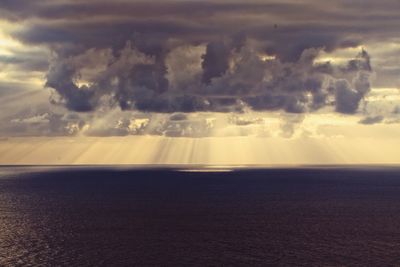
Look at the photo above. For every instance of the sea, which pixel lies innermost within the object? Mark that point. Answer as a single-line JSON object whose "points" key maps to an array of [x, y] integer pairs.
{"points": [[199, 216]]}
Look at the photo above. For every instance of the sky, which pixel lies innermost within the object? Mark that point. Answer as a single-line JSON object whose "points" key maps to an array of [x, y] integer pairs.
{"points": [[199, 82]]}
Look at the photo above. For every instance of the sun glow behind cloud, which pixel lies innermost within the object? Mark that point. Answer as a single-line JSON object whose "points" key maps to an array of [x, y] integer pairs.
{"points": [[14, 53], [6, 42]]}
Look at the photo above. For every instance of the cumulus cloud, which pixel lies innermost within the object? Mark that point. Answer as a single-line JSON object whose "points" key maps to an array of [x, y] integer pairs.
{"points": [[134, 80], [179, 57], [163, 57]]}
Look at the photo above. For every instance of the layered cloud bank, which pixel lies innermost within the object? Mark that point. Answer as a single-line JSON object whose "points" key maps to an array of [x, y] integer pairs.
{"points": [[100, 59]]}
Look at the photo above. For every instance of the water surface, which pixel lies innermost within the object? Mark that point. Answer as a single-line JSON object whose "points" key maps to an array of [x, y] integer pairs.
{"points": [[257, 217]]}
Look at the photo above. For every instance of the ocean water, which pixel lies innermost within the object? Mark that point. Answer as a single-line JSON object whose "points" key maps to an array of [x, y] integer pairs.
{"points": [[169, 217]]}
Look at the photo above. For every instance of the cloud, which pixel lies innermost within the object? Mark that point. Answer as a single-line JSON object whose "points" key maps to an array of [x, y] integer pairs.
{"points": [[290, 125], [181, 125], [45, 124], [179, 57], [244, 121], [225, 81], [215, 61], [178, 117], [372, 120]]}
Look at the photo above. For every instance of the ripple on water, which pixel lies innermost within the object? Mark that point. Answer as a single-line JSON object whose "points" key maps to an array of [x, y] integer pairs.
{"points": [[124, 218]]}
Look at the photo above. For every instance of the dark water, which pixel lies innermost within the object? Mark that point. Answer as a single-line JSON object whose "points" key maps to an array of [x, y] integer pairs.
{"points": [[288, 217]]}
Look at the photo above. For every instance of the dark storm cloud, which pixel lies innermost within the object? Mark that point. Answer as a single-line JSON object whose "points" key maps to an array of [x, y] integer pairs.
{"points": [[61, 77], [215, 61], [24, 9], [233, 35], [140, 83]]}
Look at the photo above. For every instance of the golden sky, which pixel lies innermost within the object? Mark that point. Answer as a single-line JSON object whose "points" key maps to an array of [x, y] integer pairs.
{"points": [[239, 151]]}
